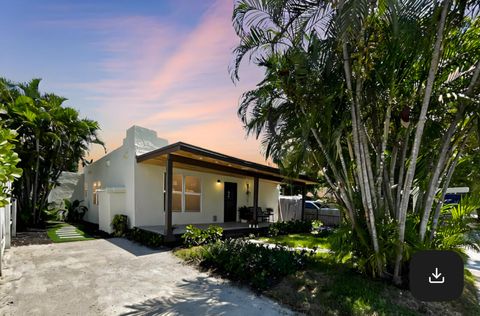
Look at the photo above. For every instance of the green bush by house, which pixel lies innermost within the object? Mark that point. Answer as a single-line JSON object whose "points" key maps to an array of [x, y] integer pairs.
{"points": [[195, 236]]}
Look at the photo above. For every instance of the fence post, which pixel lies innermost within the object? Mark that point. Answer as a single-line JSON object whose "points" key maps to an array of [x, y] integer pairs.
{"points": [[14, 217], [2, 236], [8, 225]]}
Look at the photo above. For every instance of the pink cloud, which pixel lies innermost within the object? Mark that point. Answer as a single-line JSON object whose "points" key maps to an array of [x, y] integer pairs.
{"points": [[176, 83]]}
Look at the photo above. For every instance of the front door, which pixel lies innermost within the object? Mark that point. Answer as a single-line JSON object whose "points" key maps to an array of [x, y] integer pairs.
{"points": [[230, 202]]}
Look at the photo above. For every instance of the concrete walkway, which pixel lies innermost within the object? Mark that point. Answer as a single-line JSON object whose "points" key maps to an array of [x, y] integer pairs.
{"points": [[117, 277]]}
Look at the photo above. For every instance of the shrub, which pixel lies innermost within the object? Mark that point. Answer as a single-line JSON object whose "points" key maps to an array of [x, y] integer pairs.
{"points": [[144, 237], [74, 211], [290, 227], [120, 225], [255, 264], [195, 236]]}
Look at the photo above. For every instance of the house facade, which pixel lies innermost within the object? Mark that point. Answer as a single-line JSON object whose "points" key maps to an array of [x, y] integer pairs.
{"points": [[159, 184]]}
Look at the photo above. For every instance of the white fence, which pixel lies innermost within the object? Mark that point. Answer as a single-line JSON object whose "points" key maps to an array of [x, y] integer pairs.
{"points": [[8, 224]]}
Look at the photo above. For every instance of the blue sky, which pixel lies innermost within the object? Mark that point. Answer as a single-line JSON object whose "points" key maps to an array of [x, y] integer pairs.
{"points": [[157, 64]]}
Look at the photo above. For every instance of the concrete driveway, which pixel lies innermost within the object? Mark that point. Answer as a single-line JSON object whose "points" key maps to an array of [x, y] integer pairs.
{"points": [[117, 277]]}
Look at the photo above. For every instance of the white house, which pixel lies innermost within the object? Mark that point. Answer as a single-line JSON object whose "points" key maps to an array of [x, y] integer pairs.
{"points": [[158, 185]]}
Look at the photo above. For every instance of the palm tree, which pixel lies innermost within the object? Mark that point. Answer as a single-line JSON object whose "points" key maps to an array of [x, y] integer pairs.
{"points": [[346, 84]]}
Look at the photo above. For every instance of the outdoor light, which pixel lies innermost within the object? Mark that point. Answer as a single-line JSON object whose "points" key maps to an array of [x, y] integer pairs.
{"points": [[218, 181]]}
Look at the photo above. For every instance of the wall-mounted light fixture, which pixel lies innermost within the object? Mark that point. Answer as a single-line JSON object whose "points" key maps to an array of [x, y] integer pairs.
{"points": [[218, 181]]}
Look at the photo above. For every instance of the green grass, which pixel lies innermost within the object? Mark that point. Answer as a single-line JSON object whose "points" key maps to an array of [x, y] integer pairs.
{"points": [[192, 254], [306, 240], [54, 226]]}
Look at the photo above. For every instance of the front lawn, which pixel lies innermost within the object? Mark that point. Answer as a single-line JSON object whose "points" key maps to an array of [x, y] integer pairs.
{"points": [[306, 240]]}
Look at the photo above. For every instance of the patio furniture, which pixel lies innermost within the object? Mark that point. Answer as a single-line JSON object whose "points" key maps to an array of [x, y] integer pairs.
{"points": [[263, 216]]}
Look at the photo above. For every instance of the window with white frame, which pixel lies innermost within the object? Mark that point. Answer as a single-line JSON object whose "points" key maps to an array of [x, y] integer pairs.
{"points": [[177, 189], [193, 194], [96, 186], [186, 193]]}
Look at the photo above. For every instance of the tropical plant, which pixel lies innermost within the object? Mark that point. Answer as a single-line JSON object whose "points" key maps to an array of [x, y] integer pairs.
{"points": [[457, 227], [195, 236], [120, 225], [8, 161], [376, 98], [254, 264], [74, 211], [51, 138]]}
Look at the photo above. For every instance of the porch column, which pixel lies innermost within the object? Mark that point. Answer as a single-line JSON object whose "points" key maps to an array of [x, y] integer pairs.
{"points": [[255, 200], [168, 205], [304, 192]]}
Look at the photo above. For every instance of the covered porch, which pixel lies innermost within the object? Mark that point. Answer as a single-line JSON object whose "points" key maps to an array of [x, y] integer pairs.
{"points": [[188, 157]]}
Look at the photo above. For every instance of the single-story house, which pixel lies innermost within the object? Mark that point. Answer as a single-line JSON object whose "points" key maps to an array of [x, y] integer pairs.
{"points": [[163, 185]]}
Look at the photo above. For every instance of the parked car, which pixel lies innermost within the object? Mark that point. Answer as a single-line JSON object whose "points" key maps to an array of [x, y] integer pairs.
{"points": [[323, 212]]}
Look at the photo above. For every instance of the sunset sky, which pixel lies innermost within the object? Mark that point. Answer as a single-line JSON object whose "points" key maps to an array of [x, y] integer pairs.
{"points": [[158, 64]]}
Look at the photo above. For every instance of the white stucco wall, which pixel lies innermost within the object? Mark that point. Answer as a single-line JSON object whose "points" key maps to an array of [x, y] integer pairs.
{"points": [[111, 203], [117, 170]]}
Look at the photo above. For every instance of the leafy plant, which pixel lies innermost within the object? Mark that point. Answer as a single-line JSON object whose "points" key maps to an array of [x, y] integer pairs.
{"points": [[458, 228], [255, 264], [74, 210], [195, 236], [8, 161], [290, 227], [120, 225]]}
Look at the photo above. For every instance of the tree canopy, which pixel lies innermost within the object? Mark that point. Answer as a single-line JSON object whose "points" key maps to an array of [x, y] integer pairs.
{"points": [[51, 138], [378, 98]]}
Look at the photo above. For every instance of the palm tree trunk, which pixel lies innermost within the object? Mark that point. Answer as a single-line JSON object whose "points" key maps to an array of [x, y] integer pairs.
{"points": [[35, 183], [360, 152], [434, 181], [417, 140], [436, 214]]}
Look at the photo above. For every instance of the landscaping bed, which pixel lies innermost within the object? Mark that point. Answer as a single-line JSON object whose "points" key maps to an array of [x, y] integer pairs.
{"points": [[319, 286]]}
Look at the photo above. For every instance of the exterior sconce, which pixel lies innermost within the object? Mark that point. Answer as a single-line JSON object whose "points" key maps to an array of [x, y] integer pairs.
{"points": [[248, 189], [218, 181]]}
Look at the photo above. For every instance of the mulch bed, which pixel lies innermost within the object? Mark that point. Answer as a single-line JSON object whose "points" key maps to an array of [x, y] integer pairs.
{"points": [[32, 236]]}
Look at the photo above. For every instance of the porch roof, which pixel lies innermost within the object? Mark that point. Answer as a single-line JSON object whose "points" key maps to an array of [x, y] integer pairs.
{"points": [[193, 157]]}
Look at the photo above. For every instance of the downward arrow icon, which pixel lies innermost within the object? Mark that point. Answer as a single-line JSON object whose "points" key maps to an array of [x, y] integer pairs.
{"points": [[436, 279], [436, 275]]}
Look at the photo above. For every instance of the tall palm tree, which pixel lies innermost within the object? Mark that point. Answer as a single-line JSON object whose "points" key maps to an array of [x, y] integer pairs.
{"points": [[346, 84]]}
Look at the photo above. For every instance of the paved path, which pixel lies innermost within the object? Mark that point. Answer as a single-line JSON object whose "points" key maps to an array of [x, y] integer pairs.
{"points": [[117, 277], [68, 232]]}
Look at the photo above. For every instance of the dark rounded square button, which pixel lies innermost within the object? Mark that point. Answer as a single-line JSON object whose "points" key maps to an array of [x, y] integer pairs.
{"points": [[436, 275]]}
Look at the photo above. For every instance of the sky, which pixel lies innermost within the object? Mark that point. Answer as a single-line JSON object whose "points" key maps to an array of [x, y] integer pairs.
{"points": [[162, 65]]}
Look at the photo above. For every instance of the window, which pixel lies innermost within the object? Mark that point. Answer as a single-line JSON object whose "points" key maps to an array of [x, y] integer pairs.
{"points": [[193, 193], [186, 193], [96, 186], [177, 186]]}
